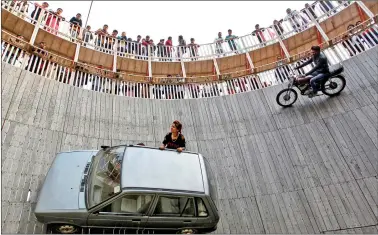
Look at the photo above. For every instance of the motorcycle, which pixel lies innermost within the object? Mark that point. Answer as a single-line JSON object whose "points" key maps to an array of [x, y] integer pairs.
{"points": [[331, 85]]}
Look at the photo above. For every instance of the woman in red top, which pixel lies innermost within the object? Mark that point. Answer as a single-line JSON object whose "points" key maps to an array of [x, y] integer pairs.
{"points": [[168, 47], [174, 139], [53, 20]]}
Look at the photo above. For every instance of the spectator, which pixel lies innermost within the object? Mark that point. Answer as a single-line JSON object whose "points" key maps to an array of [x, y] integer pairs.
{"points": [[37, 11], [231, 41], [310, 11], [367, 35], [122, 42], [344, 3], [14, 56], [168, 47], [174, 139], [102, 33], [160, 50], [182, 46], [258, 32], [294, 20], [282, 71], [326, 7], [148, 39], [152, 47], [130, 46], [36, 61], [53, 20], [348, 45], [138, 47], [193, 49], [75, 25], [355, 39], [21, 7], [144, 46], [218, 44], [278, 27], [87, 35]]}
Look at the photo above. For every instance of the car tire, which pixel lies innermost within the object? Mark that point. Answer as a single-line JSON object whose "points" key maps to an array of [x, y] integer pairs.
{"points": [[63, 229]]}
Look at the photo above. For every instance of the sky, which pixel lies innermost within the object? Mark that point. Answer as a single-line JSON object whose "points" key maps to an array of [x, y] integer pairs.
{"points": [[201, 20]]}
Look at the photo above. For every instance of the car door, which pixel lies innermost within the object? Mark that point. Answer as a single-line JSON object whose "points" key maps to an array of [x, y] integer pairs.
{"points": [[127, 211], [172, 212]]}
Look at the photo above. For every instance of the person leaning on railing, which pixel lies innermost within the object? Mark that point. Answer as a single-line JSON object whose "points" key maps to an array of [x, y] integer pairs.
{"points": [[39, 57], [75, 25], [230, 38], [53, 21], [87, 35], [37, 11], [218, 44]]}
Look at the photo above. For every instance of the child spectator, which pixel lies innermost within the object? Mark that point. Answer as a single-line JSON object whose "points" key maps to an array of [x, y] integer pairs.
{"points": [[218, 44], [193, 49], [87, 35], [168, 48], [53, 20], [231, 41], [37, 11], [258, 32]]}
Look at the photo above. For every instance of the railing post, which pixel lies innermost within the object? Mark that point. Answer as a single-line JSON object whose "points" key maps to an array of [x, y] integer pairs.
{"points": [[149, 61], [115, 56], [250, 61], [76, 59], [183, 69], [247, 55], [365, 9], [216, 66], [320, 30], [36, 27], [282, 44]]}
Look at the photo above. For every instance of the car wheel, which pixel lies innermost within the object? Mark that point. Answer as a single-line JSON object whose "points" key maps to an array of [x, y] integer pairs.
{"points": [[64, 228]]}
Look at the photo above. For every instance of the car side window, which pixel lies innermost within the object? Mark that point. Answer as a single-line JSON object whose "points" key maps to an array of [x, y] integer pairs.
{"points": [[175, 206], [131, 203]]}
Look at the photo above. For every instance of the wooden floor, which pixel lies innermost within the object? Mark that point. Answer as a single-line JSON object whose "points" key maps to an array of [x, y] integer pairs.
{"points": [[311, 168]]}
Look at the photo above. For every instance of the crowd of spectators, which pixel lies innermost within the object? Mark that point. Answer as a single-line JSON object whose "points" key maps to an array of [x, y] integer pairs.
{"points": [[104, 40], [356, 42]]}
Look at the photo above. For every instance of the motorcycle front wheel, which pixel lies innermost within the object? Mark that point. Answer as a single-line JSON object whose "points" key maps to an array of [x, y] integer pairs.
{"points": [[286, 97], [334, 85]]}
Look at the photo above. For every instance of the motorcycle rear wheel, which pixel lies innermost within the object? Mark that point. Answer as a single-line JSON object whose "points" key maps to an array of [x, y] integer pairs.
{"points": [[333, 86], [285, 95]]}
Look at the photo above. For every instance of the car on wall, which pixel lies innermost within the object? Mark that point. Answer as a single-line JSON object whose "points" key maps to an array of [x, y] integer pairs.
{"points": [[129, 188]]}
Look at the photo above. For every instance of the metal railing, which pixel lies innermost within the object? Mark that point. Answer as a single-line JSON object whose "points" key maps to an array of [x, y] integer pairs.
{"points": [[39, 61], [295, 22]]}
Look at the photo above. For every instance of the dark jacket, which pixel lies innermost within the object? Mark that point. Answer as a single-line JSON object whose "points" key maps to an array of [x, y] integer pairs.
{"points": [[321, 64], [76, 21]]}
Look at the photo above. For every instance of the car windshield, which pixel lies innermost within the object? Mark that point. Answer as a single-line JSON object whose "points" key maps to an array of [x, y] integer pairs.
{"points": [[104, 180]]}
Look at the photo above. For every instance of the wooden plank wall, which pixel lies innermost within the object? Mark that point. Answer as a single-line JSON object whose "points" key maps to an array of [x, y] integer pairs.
{"points": [[311, 168]]}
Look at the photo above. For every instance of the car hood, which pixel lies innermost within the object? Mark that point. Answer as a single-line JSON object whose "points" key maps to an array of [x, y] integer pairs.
{"points": [[61, 188]]}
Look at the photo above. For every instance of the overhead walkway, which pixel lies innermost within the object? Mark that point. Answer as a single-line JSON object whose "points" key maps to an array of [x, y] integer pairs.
{"points": [[311, 168]]}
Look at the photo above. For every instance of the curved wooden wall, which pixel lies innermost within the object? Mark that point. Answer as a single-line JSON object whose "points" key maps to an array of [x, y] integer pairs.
{"points": [[307, 169]]}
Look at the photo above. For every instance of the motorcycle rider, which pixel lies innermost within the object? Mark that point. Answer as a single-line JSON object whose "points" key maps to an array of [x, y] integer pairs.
{"points": [[318, 72]]}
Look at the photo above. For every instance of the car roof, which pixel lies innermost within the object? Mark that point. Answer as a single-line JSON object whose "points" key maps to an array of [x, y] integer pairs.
{"points": [[151, 168]]}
